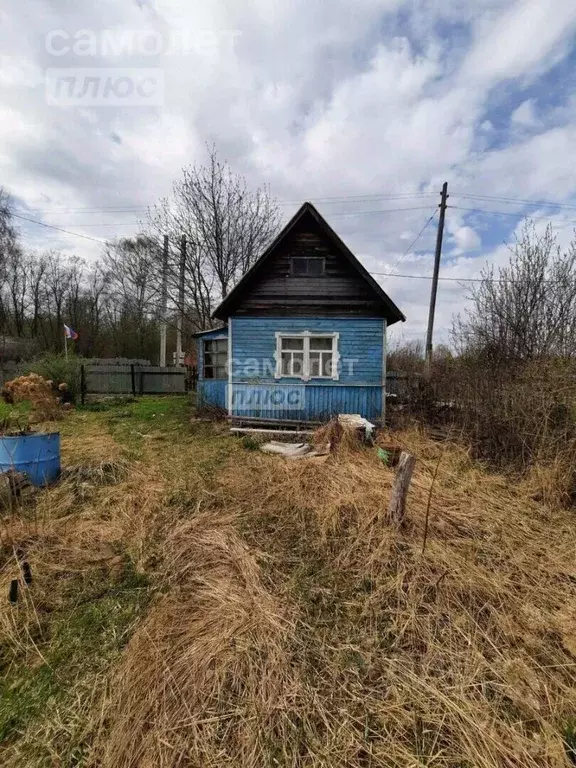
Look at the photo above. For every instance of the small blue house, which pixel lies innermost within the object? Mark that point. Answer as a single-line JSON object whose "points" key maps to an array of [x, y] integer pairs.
{"points": [[304, 335]]}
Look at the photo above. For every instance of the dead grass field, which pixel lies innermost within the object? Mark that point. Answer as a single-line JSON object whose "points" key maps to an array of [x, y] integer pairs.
{"points": [[203, 604]]}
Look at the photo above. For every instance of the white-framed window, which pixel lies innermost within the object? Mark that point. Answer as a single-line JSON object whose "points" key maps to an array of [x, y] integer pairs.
{"points": [[307, 355]]}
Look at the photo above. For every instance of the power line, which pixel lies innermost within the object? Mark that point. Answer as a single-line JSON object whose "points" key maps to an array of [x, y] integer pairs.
{"points": [[507, 213], [133, 224], [515, 200], [429, 277], [59, 229], [460, 279], [413, 242], [336, 200], [384, 210]]}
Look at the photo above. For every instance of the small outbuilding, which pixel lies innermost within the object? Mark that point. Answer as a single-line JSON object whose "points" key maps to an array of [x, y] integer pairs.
{"points": [[304, 335]]}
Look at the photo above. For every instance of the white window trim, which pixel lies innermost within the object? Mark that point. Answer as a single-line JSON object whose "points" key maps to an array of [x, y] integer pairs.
{"points": [[306, 335]]}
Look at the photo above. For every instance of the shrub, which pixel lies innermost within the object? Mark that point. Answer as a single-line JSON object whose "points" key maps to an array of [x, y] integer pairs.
{"points": [[58, 368]]}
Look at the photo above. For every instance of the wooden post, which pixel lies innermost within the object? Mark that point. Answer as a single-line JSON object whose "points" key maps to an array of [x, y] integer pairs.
{"points": [[82, 385], [27, 572], [163, 303], [133, 379], [397, 506], [180, 308], [443, 198]]}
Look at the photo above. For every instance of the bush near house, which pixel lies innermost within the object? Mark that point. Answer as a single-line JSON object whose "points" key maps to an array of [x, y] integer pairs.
{"points": [[58, 368]]}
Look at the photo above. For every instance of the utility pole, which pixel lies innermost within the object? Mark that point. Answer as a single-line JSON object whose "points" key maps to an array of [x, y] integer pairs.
{"points": [[443, 197], [164, 304], [180, 321]]}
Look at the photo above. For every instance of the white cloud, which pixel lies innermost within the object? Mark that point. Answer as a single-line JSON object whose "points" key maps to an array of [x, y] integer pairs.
{"points": [[466, 239], [529, 35], [525, 114]]}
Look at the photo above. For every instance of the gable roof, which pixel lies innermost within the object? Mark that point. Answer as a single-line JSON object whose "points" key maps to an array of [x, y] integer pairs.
{"points": [[392, 313]]}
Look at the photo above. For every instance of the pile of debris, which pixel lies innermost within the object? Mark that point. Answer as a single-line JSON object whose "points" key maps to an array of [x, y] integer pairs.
{"points": [[347, 429]]}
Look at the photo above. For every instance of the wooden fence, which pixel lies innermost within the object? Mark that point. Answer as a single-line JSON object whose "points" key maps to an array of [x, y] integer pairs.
{"points": [[135, 380]]}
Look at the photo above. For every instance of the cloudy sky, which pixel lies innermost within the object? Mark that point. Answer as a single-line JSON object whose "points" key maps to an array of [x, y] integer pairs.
{"points": [[362, 107]]}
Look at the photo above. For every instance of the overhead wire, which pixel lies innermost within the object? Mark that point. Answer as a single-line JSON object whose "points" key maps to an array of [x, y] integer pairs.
{"points": [[507, 213], [59, 229], [343, 200], [513, 200], [413, 243], [391, 273]]}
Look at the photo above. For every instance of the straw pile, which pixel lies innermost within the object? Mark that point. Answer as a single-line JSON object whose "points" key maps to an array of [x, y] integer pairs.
{"points": [[298, 629]]}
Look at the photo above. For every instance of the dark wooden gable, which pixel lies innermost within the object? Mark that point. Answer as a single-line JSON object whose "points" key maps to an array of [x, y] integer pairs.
{"points": [[343, 289]]}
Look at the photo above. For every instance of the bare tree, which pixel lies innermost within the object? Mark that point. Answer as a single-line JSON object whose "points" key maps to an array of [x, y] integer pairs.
{"points": [[526, 309], [132, 286], [10, 253], [227, 224]]}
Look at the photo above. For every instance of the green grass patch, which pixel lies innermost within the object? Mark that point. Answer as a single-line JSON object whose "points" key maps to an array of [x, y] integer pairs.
{"points": [[130, 422], [78, 644], [17, 412]]}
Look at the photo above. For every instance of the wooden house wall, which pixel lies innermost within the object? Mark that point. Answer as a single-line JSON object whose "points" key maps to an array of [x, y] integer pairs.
{"points": [[357, 390]]}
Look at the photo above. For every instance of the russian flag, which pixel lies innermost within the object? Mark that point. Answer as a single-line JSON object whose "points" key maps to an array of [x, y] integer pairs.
{"points": [[70, 333]]}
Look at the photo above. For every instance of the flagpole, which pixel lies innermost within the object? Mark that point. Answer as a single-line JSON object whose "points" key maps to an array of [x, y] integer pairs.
{"points": [[66, 345]]}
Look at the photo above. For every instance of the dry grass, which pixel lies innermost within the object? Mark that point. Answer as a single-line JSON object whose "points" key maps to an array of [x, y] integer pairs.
{"points": [[298, 629], [87, 548]]}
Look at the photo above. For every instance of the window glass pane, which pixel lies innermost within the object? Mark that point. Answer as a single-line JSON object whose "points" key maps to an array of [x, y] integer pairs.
{"points": [[319, 343], [315, 266], [297, 363], [286, 361], [300, 266], [292, 343], [314, 363], [215, 358], [326, 364]]}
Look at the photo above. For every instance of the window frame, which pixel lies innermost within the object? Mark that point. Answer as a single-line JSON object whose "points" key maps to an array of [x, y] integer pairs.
{"points": [[215, 366], [307, 259], [306, 336]]}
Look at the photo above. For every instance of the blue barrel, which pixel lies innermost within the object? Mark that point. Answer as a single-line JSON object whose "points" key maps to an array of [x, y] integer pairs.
{"points": [[38, 455]]}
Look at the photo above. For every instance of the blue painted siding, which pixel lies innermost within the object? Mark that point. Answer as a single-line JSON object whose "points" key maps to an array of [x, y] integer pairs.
{"points": [[211, 391], [310, 401], [258, 393], [360, 341]]}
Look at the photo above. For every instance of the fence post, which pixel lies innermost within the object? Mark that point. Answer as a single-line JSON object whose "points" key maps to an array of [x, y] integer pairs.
{"points": [[133, 379], [397, 506], [141, 381], [82, 384]]}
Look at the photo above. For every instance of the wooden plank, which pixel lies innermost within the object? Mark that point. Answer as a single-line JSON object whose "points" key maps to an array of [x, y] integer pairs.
{"points": [[273, 422], [270, 432]]}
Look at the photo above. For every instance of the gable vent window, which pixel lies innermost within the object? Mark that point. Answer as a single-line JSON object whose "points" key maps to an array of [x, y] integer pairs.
{"points": [[215, 358], [308, 266]]}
